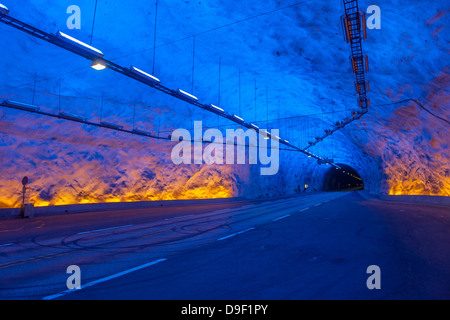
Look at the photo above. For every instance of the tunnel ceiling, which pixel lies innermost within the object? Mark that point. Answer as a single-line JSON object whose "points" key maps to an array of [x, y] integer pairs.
{"points": [[294, 55]]}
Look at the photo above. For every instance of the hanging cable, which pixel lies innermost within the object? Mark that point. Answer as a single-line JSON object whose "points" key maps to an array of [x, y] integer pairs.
{"points": [[93, 22], [416, 102]]}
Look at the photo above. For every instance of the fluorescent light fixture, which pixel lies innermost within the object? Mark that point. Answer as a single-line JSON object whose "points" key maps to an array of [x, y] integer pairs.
{"points": [[286, 141], [79, 44], [111, 125], [98, 65], [254, 126], [4, 9], [141, 132], [309, 156], [237, 117], [266, 134], [145, 75], [277, 137], [187, 95], [20, 105], [217, 108], [69, 116]]}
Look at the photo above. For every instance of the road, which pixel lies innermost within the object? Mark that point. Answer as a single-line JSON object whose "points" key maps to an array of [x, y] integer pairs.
{"points": [[316, 246]]}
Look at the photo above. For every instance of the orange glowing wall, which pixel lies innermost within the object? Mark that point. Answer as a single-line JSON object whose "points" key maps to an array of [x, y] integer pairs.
{"points": [[412, 145], [71, 164]]}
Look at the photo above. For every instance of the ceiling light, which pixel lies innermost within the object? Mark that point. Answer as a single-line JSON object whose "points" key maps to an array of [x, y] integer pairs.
{"points": [[266, 135], [79, 44], [217, 108], [98, 65], [145, 76], [184, 94], [141, 132], [111, 125], [4, 9], [20, 105], [69, 116]]}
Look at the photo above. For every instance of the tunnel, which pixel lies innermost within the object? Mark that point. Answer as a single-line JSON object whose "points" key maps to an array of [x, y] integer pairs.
{"points": [[344, 179], [224, 150]]}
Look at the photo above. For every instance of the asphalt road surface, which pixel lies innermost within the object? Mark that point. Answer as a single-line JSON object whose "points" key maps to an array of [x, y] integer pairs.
{"points": [[315, 246]]}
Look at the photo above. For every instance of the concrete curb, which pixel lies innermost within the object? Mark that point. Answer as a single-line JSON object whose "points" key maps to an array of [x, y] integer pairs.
{"points": [[12, 213], [429, 200], [425, 200], [366, 195]]}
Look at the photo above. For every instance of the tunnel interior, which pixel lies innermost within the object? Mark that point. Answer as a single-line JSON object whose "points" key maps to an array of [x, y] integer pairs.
{"points": [[342, 179], [94, 135]]}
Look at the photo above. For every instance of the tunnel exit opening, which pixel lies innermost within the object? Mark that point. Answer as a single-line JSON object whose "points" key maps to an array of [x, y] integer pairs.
{"points": [[343, 179]]}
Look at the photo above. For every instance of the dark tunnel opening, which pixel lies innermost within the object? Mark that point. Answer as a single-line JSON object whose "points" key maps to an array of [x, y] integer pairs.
{"points": [[343, 179]]}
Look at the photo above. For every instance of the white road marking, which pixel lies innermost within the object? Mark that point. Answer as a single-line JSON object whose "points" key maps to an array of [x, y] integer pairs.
{"points": [[189, 215], [7, 244], [288, 215], [304, 209], [235, 234], [222, 211], [98, 230], [90, 284]]}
